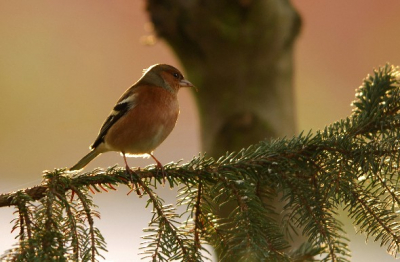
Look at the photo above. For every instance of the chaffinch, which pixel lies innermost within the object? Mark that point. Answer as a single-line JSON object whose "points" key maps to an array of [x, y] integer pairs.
{"points": [[142, 118]]}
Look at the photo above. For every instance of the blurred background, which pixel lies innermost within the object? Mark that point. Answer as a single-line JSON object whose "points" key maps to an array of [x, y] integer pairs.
{"points": [[63, 65]]}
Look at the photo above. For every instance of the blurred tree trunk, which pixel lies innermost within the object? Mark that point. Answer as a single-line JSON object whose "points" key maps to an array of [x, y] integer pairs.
{"points": [[240, 56]]}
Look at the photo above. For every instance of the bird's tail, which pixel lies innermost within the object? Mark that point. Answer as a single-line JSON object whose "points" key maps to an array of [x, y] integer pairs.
{"points": [[85, 160]]}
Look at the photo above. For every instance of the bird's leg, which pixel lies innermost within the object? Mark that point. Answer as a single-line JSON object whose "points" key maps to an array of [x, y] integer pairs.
{"points": [[160, 166], [127, 168], [130, 172]]}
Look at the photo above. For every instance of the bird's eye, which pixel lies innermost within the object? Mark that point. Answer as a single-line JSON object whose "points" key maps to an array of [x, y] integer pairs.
{"points": [[176, 75]]}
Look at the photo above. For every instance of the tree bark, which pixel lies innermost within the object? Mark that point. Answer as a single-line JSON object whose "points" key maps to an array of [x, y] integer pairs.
{"points": [[240, 56]]}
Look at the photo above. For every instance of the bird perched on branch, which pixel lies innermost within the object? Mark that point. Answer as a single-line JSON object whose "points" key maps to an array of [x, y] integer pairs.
{"points": [[142, 118]]}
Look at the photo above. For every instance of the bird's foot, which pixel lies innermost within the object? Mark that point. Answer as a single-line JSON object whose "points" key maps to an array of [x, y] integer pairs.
{"points": [[133, 186], [160, 167], [163, 173]]}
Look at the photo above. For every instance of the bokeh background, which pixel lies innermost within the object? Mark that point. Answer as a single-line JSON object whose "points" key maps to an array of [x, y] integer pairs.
{"points": [[63, 65]]}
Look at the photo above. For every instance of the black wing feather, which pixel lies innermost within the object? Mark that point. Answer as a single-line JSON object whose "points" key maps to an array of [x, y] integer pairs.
{"points": [[119, 110]]}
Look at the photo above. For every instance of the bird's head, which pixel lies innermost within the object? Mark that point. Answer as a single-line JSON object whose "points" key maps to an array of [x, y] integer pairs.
{"points": [[165, 76]]}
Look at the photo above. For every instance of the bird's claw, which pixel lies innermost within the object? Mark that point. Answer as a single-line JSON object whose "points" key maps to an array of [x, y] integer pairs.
{"points": [[133, 186]]}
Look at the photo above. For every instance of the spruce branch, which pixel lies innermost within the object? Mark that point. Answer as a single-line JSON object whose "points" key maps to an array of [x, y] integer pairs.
{"points": [[163, 223], [352, 163], [71, 226]]}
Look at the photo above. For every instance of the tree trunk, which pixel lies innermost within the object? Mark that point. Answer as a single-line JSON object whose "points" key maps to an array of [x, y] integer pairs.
{"points": [[239, 55]]}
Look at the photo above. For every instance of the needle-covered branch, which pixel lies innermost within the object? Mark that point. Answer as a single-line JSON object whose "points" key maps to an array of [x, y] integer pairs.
{"points": [[352, 163]]}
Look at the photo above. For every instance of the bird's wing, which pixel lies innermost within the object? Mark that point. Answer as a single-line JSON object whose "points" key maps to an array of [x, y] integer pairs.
{"points": [[125, 103]]}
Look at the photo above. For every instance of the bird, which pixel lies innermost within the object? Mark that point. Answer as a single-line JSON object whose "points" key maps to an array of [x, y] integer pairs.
{"points": [[142, 118]]}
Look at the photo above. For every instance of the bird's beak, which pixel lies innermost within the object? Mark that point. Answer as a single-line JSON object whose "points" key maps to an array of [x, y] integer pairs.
{"points": [[186, 83]]}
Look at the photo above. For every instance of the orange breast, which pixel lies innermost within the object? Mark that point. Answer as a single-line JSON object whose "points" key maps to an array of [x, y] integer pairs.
{"points": [[147, 125]]}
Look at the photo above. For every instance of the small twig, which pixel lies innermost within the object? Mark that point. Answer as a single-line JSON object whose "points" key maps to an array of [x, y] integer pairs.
{"points": [[87, 209], [197, 243], [160, 212]]}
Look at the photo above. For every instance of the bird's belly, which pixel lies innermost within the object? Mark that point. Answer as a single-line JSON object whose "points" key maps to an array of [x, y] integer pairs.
{"points": [[141, 137], [148, 144], [140, 142]]}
